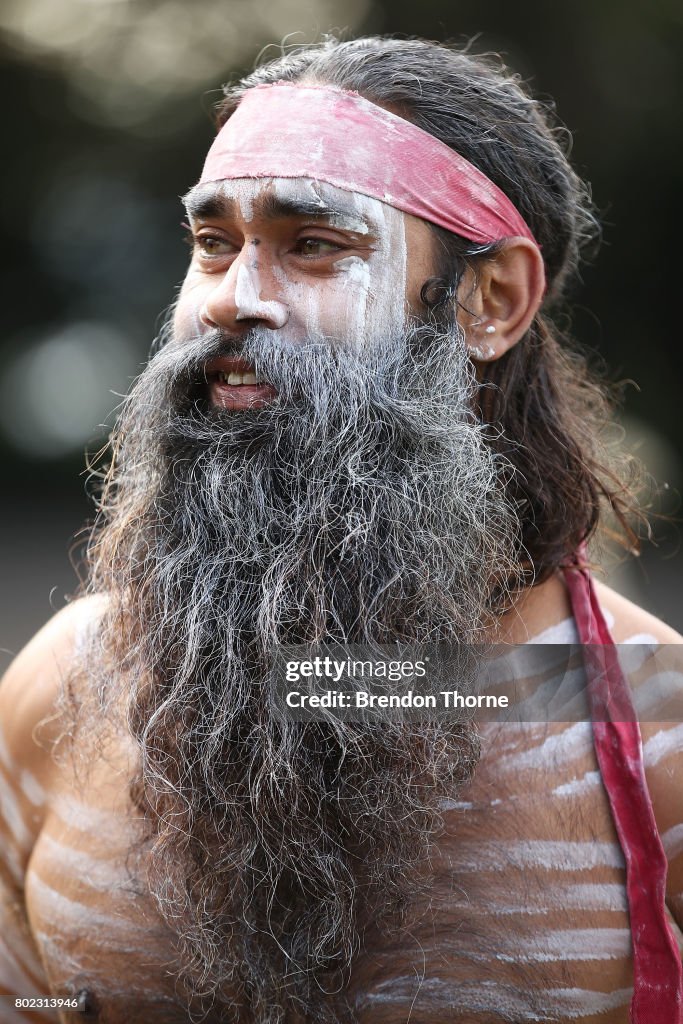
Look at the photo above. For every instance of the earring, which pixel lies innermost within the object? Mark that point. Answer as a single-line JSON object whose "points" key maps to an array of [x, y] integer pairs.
{"points": [[490, 329]]}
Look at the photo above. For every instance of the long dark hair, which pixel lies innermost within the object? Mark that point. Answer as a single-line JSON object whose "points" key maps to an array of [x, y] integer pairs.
{"points": [[549, 407]]}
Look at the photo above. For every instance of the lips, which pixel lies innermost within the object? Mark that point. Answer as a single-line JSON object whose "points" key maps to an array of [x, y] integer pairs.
{"points": [[233, 384]]}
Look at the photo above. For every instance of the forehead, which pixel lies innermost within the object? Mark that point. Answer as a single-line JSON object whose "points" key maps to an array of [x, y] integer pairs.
{"points": [[277, 198]]}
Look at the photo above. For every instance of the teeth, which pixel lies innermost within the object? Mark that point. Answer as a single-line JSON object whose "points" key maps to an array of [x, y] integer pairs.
{"points": [[237, 378]]}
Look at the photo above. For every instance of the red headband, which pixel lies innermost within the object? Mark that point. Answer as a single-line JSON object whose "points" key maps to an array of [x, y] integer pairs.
{"points": [[287, 130]]}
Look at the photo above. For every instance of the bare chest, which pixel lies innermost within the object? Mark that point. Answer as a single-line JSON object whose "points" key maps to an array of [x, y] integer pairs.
{"points": [[526, 918], [97, 928]]}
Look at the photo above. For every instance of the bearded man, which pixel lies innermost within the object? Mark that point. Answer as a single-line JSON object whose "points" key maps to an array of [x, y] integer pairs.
{"points": [[361, 427]]}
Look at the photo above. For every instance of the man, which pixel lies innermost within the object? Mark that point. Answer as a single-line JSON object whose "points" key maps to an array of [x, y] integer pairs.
{"points": [[361, 428]]}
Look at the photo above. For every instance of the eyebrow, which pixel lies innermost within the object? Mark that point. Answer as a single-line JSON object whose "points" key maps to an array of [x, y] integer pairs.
{"points": [[199, 204], [203, 206]]}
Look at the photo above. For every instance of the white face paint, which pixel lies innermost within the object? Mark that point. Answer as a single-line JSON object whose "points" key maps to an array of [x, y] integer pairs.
{"points": [[371, 289], [299, 257], [248, 299]]}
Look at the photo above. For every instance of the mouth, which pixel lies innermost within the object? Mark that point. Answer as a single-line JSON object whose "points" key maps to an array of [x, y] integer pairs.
{"points": [[233, 384]]}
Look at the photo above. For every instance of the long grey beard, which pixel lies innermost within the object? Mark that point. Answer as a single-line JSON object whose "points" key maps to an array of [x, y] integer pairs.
{"points": [[362, 506]]}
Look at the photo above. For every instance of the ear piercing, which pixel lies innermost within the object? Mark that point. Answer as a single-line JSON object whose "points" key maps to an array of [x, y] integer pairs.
{"points": [[484, 352]]}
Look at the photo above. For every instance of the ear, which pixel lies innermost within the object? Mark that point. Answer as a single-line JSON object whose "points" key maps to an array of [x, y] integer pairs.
{"points": [[497, 305]]}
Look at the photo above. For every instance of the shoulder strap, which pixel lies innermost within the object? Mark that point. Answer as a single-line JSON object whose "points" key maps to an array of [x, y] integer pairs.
{"points": [[657, 973]]}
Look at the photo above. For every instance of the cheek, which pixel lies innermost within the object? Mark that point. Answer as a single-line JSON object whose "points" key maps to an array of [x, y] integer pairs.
{"points": [[368, 297], [186, 321], [386, 307]]}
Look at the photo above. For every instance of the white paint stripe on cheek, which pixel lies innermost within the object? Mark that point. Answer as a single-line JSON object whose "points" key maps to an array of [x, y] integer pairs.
{"points": [[386, 310], [356, 271], [372, 308], [354, 275]]}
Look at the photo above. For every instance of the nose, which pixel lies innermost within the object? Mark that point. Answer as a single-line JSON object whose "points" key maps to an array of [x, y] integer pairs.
{"points": [[237, 302]]}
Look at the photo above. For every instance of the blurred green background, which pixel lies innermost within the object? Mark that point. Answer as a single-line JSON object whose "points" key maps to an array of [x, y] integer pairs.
{"points": [[106, 121]]}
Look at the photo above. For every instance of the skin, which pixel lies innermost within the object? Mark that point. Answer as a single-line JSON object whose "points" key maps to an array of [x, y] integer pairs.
{"points": [[530, 860], [256, 263]]}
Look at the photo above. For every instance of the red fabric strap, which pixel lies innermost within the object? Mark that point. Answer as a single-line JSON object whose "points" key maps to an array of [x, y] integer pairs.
{"points": [[657, 973]]}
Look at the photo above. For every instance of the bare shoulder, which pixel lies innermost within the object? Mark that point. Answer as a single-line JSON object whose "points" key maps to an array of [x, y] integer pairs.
{"points": [[548, 604], [31, 686], [631, 621]]}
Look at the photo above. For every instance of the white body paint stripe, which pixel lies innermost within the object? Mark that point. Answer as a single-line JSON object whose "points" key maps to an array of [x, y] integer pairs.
{"points": [[672, 841], [660, 688], [546, 854], [511, 1003], [71, 916], [92, 820], [19, 969], [100, 874], [607, 897], [579, 787], [662, 744], [559, 749], [569, 944]]}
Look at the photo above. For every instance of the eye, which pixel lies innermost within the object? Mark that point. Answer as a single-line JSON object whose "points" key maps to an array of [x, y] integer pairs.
{"points": [[315, 247], [212, 245]]}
